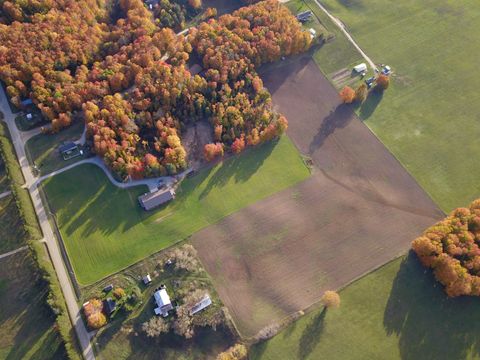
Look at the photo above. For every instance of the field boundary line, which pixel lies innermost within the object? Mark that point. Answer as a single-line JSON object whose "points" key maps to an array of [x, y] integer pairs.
{"points": [[7, 254]]}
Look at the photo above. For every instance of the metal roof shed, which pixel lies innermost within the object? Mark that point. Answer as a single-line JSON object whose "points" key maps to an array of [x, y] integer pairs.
{"points": [[151, 200], [360, 68]]}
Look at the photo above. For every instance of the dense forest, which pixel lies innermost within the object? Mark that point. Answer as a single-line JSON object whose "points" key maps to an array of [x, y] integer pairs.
{"points": [[120, 67]]}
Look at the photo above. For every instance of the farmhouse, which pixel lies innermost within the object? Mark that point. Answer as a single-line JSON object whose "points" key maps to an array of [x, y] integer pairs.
{"points": [[164, 305], [110, 305], [151, 200], [202, 304]]}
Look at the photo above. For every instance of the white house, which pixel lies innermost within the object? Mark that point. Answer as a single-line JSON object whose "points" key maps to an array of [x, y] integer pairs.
{"points": [[164, 305], [360, 68]]}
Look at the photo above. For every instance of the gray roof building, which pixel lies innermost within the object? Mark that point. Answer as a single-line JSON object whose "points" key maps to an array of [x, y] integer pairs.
{"points": [[151, 200]]}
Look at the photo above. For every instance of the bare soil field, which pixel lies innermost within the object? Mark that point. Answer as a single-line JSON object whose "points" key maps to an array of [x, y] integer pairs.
{"points": [[194, 140], [358, 210]]}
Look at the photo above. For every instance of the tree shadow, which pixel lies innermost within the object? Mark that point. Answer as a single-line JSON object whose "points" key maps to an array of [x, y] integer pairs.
{"points": [[428, 323], [337, 119], [311, 335], [240, 167], [370, 105]]}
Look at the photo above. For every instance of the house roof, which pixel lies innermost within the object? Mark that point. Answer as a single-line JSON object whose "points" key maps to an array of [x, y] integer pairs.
{"points": [[161, 298], [69, 146], [27, 102], [152, 200], [202, 304], [110, 305]]}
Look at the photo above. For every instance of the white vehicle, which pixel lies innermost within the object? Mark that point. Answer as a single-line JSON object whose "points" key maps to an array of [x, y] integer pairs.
{"points": [[313, 33]]}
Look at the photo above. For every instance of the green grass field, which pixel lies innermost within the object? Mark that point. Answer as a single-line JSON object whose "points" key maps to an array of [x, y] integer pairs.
{"points": [[4, 186], [42, 150], [27, 325], [428, 118], [396, 312], [105, 230], [12, 233]]}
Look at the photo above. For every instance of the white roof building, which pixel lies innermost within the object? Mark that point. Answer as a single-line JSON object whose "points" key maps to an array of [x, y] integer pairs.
{"points": [[360, 68], [147, 279], [164, 305], [202, 304]]}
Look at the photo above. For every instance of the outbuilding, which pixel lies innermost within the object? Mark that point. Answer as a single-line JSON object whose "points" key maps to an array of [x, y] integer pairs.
{"points": [[69, 150], [202, 304], [154, 199], [147, 279], [360, 68], [164, 305]]}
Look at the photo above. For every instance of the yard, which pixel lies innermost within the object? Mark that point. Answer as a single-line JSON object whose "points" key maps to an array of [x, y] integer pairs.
{"points": [[27, 326], [429, 117], [42, 149], [124, 338], [396, 312], [105, 230]]}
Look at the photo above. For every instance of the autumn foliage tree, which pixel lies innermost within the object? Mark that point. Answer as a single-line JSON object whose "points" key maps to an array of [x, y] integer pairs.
{"points": [[361, 93], [347, 94], [330, 299], [383, 82], [236, 352], [451, 249], [93, 311]]}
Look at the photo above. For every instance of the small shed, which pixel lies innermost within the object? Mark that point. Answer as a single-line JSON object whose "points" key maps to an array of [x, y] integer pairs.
{"points": [[147, 279], [360, 68], [202, 304], [108, 288], [154, 199], [164, 305], [110, 305]]}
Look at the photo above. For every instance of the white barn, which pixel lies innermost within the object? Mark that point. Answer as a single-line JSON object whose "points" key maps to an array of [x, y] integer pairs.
{"points": [[360, 68], [164, 305]]}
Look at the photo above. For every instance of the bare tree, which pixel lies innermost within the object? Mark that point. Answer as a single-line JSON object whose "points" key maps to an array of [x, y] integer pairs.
{"points": [[155, 326]]}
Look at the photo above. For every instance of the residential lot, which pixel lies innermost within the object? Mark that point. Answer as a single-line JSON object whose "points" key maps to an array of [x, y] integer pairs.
{"points": [[359, 209], [42, 150], [105, 230], [429, 116], [396, 312], [27, 326]]}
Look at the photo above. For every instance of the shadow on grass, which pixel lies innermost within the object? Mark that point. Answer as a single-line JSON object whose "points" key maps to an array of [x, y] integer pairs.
{"points": [[428, 323], [370, 105], [240, 167], [311, 335]]}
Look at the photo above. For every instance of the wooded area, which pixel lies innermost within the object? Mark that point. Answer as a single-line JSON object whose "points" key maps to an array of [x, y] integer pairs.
{"points": [[113, 65]]}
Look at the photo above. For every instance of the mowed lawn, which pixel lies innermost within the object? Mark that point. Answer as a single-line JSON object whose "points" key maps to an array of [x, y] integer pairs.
{"points": [[429, 117], [396, 312], [105, 230]]}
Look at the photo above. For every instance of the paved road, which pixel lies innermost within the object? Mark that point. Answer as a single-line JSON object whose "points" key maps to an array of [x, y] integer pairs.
{"points": [[152, 183], [342, 27], [49, 238], [13, 252]]}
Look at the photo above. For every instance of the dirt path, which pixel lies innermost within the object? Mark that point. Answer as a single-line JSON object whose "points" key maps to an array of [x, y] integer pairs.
{"points": [[7, 254], [358, 210]]}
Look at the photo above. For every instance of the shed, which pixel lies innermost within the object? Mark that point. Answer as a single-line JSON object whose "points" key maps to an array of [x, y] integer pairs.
{"points": [[151, 200], [202, 304], [110, 305], [360, 68], [164, 305], [108, 288], [147, 279]]}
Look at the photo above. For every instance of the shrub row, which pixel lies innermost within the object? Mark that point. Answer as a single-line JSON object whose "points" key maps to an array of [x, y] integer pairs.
{"points": [[27, 212]]}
